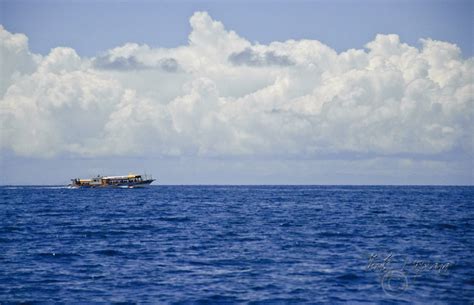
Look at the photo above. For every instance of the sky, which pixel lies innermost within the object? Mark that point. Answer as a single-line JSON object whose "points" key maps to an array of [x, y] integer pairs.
{"points": [[237, 92]]}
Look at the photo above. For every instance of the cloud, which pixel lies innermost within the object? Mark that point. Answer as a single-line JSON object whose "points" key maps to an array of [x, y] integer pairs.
{"points": [[16, 59], [252, 58], [119, 63], [222, 96], [169, 64], [132, 56], [133, 63]]}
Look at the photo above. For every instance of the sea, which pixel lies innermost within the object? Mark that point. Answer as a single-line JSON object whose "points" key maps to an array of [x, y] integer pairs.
{"points": [[238, 245]]}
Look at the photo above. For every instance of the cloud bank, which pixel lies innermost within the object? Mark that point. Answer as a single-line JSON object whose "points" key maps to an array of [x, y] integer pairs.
{"points": [[223, 96]]}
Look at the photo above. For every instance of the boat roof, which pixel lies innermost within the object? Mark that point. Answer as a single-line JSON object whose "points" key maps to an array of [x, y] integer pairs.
{"points": [[122, 177]]}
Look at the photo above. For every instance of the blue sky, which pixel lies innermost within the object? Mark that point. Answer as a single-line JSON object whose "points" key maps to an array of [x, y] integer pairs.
{"points": [[94, 26], [238, 92]]}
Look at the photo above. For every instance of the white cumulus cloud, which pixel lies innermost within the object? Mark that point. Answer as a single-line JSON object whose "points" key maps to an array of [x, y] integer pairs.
{"points": [[221, 95]]}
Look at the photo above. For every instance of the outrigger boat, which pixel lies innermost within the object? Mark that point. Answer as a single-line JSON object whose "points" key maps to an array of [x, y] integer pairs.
{"points": [[128, 181]]}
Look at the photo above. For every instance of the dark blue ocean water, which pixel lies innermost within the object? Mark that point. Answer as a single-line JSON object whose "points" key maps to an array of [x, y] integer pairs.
{"points": [[238, 244]]}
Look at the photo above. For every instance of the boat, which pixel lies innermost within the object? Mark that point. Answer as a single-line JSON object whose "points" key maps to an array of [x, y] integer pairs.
{"points": [[127, 181]]}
